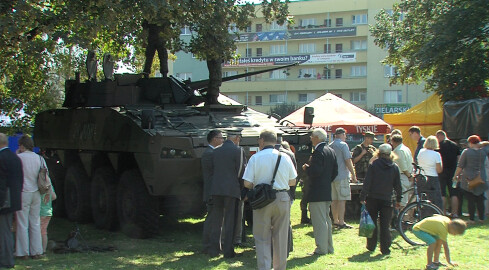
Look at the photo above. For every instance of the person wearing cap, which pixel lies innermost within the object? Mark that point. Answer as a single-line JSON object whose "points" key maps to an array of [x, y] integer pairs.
{"points": [[214, 139], [382, 177], [340, 188], [362, 153], [415, 134], [227, 165], [472, 163], [271, 223], [404, 160]]}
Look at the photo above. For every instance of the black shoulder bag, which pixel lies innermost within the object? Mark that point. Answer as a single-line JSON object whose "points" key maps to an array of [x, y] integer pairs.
{"points": [[264, 194]]}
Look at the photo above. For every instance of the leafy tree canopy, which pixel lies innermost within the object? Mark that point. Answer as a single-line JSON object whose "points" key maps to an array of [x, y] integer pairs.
{"points": [[444, 42], [42, 43]]}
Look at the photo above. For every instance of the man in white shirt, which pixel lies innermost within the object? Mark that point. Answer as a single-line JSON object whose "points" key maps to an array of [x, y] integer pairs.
{"points": [[271, 223], [404, 161]]}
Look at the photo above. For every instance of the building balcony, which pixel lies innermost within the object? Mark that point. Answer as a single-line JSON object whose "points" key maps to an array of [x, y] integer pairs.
{"points": [[294, 84]]}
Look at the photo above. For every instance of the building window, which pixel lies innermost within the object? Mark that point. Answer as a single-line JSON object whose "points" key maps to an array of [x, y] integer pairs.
{"points": [[184, 75], [308, 73], [248, 52], [248, 79], [233, 97], [339, 22], [248, 29], [357, 45], [327, 48], [229, 73], [278, 49], [390, 71], [259, 51], [306, 98], [359, 19], [358, 97], [276, 26], [327, 22], [392, 96], [258, 27], [277, 98], [278, 74], [358, 71], [327, 73], [339, 48], [338, 73], [185, 30], [232, 28], [307, 48], [258, 100], [307, 22]]}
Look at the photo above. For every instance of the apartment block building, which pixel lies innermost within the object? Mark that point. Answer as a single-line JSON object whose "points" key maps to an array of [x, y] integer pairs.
{"points": [[331, 41]]}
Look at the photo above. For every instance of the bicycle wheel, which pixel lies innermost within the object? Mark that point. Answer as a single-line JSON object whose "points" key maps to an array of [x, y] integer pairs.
{"points": [[410, 215]]}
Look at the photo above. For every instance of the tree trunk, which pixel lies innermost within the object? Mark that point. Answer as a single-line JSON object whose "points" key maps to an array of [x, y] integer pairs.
{"points": [[215, 80]]}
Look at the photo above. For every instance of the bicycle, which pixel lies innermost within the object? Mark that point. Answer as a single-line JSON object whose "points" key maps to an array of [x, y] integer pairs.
{"points": [[416, 210]]}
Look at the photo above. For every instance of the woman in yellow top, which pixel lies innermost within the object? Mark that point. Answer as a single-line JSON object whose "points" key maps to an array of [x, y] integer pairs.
{"points": [[434, 231]]}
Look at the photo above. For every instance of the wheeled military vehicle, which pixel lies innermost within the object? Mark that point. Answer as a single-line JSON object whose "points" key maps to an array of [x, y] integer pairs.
{"points": [[125, 150]]}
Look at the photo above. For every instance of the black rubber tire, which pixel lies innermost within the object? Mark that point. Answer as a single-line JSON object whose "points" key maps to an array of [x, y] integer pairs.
{"points": [[136, 209], [77, 195], [412, 214], [104, 199]]}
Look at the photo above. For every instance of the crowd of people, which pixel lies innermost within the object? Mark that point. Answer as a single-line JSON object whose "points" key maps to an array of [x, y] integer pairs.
{"points": [[386, 173], [22, 207]]}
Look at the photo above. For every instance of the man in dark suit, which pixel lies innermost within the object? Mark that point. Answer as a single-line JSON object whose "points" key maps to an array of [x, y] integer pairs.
{"points": [[321, 171], [11, 178], [215, 139], [225, 190]]}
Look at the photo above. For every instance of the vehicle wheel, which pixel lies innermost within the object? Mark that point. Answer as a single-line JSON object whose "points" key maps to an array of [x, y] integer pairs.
{"points": [[77, 195], [103, 199], [412, 214], [136, 209]]}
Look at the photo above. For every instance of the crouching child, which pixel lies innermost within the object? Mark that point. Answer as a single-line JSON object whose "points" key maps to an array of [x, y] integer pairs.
{"points": [[434, 231]]}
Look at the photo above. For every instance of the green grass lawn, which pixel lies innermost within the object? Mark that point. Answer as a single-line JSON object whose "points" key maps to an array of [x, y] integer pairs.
{"points": [[178, 245]]}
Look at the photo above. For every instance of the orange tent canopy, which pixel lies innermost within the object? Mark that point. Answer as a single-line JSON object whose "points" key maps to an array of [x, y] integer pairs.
{"points": [[331, 112]]}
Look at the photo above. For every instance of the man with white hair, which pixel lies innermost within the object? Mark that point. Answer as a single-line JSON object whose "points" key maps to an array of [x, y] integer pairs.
{"points": [[271, 223], [321, 171]]}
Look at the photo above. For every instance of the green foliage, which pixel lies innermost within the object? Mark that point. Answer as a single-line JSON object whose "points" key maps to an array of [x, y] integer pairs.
{"points": [[283, 109], [442, 42], [43, 42]]}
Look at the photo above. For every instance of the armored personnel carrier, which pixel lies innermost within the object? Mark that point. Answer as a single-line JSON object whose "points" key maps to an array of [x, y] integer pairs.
{"points": [[125, 150]]}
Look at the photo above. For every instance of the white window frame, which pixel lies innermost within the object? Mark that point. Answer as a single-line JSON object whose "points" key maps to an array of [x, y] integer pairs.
{"points": [[277, 98], [278, 49], [275, 26], [307, 48], [307, 22], [229, 73], [232, 28], [392, 96], [359, 19], [358, 45], [358, 97], [184, 75], [304, 71], [307, 97], [185, 31], [278, 74], [390, 71], [358, 71]]}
